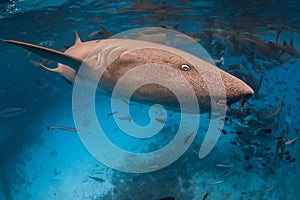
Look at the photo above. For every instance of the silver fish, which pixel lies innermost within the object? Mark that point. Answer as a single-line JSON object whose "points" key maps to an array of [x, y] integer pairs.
{"points": [[291, 142], [65, 128], [214, 182], [224, 165], [11, 112]]}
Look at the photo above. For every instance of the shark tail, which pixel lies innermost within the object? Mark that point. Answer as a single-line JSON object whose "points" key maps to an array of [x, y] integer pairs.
{"points": [[50, 54]]}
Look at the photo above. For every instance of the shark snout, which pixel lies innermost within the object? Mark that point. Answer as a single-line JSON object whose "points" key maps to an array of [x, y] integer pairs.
{"points": [[245, 91], [248, 93], [237, 90]]}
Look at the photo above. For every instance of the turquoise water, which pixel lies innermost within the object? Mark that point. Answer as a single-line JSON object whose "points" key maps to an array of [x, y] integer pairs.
{"points": [[37, 163]]}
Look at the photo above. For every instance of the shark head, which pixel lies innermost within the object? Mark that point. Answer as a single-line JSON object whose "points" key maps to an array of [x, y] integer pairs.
{"points": [[123, 55]]}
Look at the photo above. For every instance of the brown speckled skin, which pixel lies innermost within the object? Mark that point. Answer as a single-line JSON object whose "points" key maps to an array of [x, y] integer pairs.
{"points": [[157, 94]]}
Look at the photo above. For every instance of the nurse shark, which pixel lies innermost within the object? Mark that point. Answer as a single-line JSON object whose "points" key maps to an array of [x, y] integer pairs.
{"points": [[129, 54]]}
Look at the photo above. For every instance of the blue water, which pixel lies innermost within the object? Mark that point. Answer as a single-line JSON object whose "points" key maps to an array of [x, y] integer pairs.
{"points": [[36, 163]]}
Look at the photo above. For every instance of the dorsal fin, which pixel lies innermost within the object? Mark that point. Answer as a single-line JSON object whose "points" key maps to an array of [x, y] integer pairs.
{"points": [[49, 54], [77, 38], [284, 43], [106, 33], [277, 36], [175, 27]]}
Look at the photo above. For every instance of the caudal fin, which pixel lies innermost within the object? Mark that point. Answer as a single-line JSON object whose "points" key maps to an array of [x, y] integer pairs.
{"points": [[49, 54]]}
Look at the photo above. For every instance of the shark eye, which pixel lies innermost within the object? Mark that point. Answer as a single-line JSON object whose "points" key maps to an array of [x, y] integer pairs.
{"points": [[185, 67]]}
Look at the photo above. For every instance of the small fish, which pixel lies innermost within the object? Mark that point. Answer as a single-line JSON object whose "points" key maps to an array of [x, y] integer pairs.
{"points": [[125, 118], [187, 139], [251, 123], [288, 120], [238, 132], [214, 182], [112, 113], [65, 128], [277, 36], [162, 121], [277, 110], [280, 145], [271, 65], [11, 112], [35, 63], [257, 87], [291, 142], [267, 148], [292, 160], [167, 198], [257, 68], [263, 164], [94, 34], [224, 165], [106, 33], [40, 64], [205, 196], [268, 189], [101, 180], [219, 61]]}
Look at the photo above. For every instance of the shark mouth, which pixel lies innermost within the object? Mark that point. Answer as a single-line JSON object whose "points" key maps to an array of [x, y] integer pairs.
{"points": [[241, 101]]}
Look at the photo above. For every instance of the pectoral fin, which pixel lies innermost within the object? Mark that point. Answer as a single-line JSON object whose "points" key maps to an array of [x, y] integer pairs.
{"points": [[49, 54], [68, 73]]}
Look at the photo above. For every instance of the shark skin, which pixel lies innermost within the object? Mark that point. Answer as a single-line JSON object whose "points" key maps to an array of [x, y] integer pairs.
{"points": [[131, 53]]}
